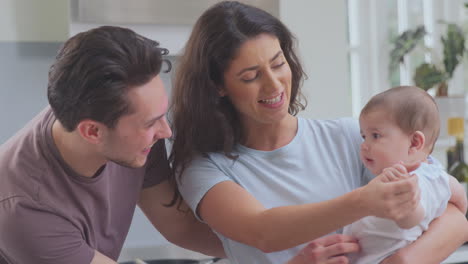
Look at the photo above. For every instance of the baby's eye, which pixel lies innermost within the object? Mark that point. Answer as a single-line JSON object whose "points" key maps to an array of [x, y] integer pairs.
{"points": [[375, 135], [363, 136]]}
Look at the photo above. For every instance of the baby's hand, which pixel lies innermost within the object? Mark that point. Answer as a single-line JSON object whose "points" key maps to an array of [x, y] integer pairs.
{"points": [[394, 173], [398, 171]]}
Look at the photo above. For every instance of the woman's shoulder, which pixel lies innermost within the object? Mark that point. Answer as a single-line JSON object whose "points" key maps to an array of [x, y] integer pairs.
{"points": [[347, 125], [340, 131], [212, 159]]}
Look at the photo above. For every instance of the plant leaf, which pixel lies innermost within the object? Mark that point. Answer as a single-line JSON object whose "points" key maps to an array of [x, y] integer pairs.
{"points": [[427, 75], [454, 47], [405, 43]]}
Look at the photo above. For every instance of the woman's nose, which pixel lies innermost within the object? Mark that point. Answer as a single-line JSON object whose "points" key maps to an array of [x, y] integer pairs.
{"points": [[272, 82]]}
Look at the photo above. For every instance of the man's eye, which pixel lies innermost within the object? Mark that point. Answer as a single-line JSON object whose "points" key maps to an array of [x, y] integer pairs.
{"points": [[149, 125]]}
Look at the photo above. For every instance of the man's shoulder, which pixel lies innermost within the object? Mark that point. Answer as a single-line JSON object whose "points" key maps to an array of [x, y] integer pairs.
{"points": [[29, 135], [22, 159], [20, 180]]}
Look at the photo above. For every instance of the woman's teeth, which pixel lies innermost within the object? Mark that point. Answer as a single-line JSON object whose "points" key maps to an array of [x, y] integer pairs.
{"points": [[272, 101]]}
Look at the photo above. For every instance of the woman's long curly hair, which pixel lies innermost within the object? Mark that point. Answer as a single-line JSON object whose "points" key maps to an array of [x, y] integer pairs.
{"points": [[202, 121]]}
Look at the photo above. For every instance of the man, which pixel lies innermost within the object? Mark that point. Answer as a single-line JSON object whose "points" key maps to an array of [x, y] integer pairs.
{"points": [[70, 179]]}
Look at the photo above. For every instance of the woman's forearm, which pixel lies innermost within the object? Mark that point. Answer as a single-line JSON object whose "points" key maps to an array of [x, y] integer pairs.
{"points": [[245, 220], [315, 220], [311, 221], [444, 236], [276, 228]]}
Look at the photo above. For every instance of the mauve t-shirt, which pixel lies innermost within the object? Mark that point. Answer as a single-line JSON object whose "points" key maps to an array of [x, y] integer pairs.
{"points": [[50, 214]]}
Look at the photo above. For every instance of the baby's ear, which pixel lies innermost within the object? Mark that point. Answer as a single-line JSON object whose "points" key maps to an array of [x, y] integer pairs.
{"points": [[417, 142]]}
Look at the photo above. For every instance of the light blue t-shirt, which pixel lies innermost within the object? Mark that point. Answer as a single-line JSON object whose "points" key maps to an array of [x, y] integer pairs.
{"points": [[320, 163]]}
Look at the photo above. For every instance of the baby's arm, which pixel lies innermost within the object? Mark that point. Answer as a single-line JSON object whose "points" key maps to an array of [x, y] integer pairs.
{"points": [[458, 197], [411, 220]]}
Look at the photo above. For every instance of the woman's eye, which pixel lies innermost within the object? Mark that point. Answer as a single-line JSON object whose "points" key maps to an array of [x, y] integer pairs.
{"points": [[278, 65], [375, 135], [250, 78]]}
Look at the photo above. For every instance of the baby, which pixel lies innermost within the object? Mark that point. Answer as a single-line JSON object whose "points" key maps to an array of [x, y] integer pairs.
{"points": [[402, 125]]}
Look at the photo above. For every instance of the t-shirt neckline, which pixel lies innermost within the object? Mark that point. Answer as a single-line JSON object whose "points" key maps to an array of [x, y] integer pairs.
{"points": [[243, 149]]}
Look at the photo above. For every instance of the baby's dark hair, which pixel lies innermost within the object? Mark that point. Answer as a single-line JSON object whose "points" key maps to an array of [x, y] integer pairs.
{"points": [[411, 108]]}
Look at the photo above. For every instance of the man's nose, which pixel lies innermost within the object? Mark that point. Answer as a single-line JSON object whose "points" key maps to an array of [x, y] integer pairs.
{"points": [[163, 131]]}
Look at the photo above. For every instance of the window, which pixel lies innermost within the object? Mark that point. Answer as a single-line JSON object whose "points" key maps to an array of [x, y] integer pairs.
{"points": [[373, 25]]}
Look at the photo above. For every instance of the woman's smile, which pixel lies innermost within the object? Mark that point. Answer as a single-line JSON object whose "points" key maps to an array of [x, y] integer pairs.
{"points": [[274, 102]]}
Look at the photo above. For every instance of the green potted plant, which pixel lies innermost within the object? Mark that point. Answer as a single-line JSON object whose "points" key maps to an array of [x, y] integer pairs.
{"points": [[437, 73]]}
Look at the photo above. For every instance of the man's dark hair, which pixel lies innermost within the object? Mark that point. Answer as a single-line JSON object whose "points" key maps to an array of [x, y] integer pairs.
{"points": [[95, 69]]}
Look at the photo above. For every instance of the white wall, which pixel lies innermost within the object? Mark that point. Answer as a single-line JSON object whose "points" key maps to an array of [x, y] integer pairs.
{"points": [[30, 34], [321, 28], [23, 75], [34, 21]]}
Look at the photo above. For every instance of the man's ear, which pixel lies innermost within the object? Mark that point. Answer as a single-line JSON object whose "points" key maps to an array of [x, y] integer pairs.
{"points": [[418, 140], [90, 131]]}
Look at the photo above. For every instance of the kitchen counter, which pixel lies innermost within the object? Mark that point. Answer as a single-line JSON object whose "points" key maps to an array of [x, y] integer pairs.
{"points": [[172, 251], [166, 251], [459, 256]]}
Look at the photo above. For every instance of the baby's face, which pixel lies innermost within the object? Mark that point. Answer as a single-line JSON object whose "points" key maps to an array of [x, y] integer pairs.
{"points": [[385, 144]]}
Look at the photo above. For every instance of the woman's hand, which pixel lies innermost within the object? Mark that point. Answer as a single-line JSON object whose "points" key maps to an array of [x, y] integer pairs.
{"points": [[393, 195], [327, 250]]}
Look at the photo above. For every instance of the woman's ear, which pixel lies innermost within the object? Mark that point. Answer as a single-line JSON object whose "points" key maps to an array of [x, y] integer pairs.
{"points": [[221, 92], [417, 142]]}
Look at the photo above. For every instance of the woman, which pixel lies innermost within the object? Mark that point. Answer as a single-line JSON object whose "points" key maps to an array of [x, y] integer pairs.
{"points": [[263, 179]]}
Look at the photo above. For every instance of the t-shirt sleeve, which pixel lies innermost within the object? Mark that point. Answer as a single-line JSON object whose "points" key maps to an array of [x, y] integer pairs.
{"points": [[157, 166], [197, 179], [352, 131], [435, 191], [31, 234]]}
